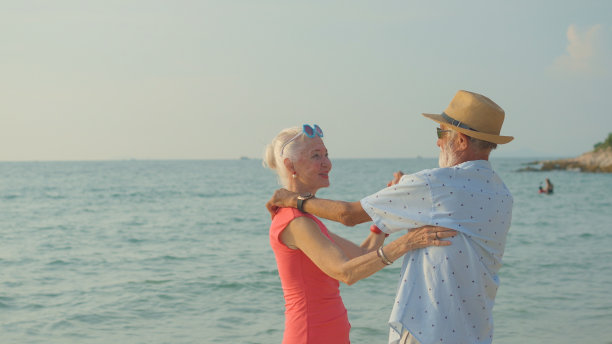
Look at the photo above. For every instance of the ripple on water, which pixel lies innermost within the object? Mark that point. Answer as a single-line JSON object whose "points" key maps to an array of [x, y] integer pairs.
{"points": [[58, 262], [155, 282], [7, 302]]}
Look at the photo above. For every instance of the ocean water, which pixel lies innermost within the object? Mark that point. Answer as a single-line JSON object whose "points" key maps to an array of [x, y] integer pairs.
{"points": [[177, 252]]}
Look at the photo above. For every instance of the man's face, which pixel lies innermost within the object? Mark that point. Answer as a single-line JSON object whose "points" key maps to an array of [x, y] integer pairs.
{"points": [[447, 157]]}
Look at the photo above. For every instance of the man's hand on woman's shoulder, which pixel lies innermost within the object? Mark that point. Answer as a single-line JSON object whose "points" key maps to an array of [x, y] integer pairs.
{"points": [[282, 198]]}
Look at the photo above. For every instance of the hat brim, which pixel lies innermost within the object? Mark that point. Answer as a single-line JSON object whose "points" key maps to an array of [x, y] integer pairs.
{"points": [[475, 134]]}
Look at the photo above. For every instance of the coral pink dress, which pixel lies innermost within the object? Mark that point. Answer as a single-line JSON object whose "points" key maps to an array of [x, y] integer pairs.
{"points": [[314, 312]]}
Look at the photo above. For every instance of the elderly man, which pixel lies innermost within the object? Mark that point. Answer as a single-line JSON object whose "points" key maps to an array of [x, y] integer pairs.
{"points": [[446, 294]]}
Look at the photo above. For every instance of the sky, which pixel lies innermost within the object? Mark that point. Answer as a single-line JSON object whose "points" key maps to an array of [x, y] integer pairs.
{"points": [[150, 79]]}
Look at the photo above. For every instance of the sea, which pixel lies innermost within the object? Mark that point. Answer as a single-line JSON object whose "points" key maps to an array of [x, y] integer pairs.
{"points": [[177, 252]]}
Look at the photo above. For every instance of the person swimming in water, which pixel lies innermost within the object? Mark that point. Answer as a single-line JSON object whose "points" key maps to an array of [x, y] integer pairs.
{"points": [[549, 188]]}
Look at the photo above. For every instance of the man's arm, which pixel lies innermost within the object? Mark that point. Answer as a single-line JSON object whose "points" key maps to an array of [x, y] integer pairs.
{"points": [[347, 213]]}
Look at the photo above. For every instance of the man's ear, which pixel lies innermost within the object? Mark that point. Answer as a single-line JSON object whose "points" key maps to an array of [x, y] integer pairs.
{"points": [[462, 142]]}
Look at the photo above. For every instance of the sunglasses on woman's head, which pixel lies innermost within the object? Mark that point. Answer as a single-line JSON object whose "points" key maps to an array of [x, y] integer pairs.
{"points": [[312, 131], [308, 131]]}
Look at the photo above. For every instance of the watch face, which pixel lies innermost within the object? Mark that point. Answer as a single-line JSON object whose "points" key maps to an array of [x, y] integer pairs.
{"points": [[305, 196]]}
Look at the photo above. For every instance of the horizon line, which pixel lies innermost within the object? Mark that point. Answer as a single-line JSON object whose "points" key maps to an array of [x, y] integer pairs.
{"points": [[253, 159]]}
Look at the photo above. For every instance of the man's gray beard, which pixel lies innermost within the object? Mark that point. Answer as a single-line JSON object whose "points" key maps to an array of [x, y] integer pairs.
{"points": [[447, 156]]}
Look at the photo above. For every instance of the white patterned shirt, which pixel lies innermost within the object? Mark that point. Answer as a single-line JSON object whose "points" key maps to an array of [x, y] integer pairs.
{"points": [[446, 294]]}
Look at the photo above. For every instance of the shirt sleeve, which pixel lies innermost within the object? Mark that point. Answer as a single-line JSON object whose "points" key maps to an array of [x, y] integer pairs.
{"points": [[405, 205]]}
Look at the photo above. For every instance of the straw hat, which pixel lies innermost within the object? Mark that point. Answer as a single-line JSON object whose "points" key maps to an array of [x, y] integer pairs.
{"points": [[474, 115]]}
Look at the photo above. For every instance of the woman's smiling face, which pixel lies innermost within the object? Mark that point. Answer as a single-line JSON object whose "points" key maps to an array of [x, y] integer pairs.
{"points": [[313, 166]]}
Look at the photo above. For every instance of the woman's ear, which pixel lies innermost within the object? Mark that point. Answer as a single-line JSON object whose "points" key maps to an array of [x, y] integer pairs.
{"points": [[289, 165]]}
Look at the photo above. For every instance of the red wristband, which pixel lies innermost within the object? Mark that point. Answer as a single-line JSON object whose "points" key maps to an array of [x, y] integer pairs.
{"points": [[375, 229]]}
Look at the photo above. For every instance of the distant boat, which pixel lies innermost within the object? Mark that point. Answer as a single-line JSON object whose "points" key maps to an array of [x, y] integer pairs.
{"points": [[244, 158]]}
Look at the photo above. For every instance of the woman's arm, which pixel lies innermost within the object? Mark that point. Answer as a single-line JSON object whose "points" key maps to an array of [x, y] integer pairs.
{"points": [[303, 233], [351, 250]]}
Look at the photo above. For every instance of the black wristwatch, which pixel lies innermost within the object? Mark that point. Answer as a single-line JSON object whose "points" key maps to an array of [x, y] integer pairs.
{"points": [[301, 199]]}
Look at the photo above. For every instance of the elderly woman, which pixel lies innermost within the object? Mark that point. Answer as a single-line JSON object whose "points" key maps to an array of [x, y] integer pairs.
{"points": [[311, 260]]}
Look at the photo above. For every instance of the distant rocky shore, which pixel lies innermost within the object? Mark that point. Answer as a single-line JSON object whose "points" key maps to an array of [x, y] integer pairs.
{"points": [[597, 161]]}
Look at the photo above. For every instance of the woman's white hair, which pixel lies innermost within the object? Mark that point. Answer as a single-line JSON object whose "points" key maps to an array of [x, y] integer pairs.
{"points": [[275, 153]]}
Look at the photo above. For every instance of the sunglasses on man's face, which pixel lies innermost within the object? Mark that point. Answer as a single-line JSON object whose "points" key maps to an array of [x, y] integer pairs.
{"points": [[441, 132]]}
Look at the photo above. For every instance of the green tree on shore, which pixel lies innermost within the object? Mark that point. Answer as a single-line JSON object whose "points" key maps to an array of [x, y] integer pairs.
{"points": [[603, 145]]}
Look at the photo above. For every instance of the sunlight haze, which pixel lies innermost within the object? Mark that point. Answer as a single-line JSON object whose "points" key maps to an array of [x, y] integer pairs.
{"points": [[105, 80]]}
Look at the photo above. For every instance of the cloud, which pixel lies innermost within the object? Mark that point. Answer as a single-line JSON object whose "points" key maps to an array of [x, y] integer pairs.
{"points": [[588, 53]]}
